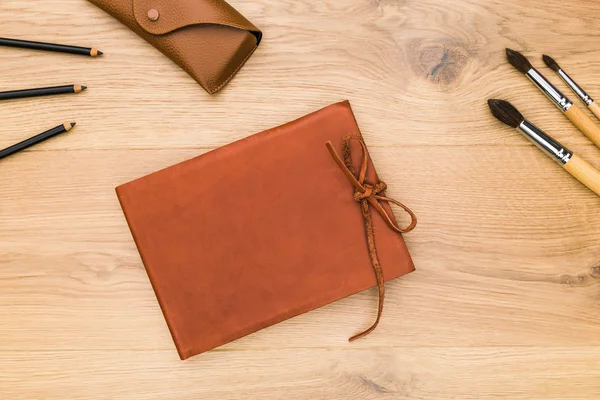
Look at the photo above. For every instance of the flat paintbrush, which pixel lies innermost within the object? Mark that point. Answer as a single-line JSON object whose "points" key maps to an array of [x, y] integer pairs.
{"points": [[575, 165], [589, 102], [575, 114]]}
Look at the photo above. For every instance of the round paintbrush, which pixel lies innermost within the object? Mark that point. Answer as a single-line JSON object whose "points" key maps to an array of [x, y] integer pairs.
{"points": [[575, 165], [586, 98], [575, 114]]}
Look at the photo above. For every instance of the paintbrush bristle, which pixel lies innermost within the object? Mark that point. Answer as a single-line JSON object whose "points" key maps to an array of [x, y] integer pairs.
{"points": [[553, 65], [506, 112], [518, 60]]}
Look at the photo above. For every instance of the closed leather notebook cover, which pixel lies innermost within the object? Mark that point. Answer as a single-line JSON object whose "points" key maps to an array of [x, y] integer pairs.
{"points": [[257, 232]]}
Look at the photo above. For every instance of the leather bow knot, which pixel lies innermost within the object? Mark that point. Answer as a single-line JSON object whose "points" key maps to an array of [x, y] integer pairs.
{"points": [[370, 190], [366, 191], [370, 195]]}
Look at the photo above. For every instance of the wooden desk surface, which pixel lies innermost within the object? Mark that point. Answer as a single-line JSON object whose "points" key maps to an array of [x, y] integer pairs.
{"points": [[506, 300]]}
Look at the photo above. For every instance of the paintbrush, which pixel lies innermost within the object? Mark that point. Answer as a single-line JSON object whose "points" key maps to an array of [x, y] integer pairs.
{"points": [[586, 98], [575, 114], [575, 165]]}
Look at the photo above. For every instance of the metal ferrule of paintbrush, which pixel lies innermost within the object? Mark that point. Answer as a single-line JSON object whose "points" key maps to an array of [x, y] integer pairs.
{"points": [[553, 65], [587, 99], [545, 142], [557, 97], [575, 114], [572, 163], [592, 105]]}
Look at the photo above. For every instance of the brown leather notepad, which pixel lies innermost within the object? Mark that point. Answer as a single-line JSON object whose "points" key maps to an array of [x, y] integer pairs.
{"points": [[263, 230]]}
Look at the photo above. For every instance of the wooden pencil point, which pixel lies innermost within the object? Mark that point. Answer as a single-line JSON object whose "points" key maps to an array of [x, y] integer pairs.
{"points": [[95, 53], [69, 126]]}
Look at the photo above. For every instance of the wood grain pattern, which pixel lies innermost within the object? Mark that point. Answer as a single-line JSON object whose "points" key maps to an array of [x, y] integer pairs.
{"points": [[584, 172], [505, 303], [584, 123]]}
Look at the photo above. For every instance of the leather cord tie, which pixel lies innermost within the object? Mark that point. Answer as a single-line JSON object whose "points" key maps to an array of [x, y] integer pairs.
{"points": [[370, 195]]}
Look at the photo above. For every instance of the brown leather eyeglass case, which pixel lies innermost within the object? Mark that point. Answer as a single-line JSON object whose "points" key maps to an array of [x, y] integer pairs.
{"points": [[209, 39], [264, 229]]}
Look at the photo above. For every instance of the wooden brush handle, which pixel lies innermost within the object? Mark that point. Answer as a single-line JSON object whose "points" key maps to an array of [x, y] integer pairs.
{"points": [[595, 108], [584, 173], [584, 123]]}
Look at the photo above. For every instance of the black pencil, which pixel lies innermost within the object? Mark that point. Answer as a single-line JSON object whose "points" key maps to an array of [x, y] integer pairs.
{"points": [[19, 94], [36, 139], [61, 48]]}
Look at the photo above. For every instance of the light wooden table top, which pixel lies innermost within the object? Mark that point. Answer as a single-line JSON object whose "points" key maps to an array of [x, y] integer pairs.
{"points": [[506, 300]]}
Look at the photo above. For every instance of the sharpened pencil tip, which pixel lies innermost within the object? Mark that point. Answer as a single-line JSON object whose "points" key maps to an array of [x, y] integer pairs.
{"points": [[83, 88], [73, 124], [68, 126], [100, 53]]}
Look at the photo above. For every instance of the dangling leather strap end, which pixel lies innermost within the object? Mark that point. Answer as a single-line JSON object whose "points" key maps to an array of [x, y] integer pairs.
{"points": [[369, 195]]}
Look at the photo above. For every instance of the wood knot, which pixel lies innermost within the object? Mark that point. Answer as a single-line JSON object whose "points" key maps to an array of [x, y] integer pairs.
{"points": [[566, 280], [375, 387], [440, 63], [582, 279]]}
